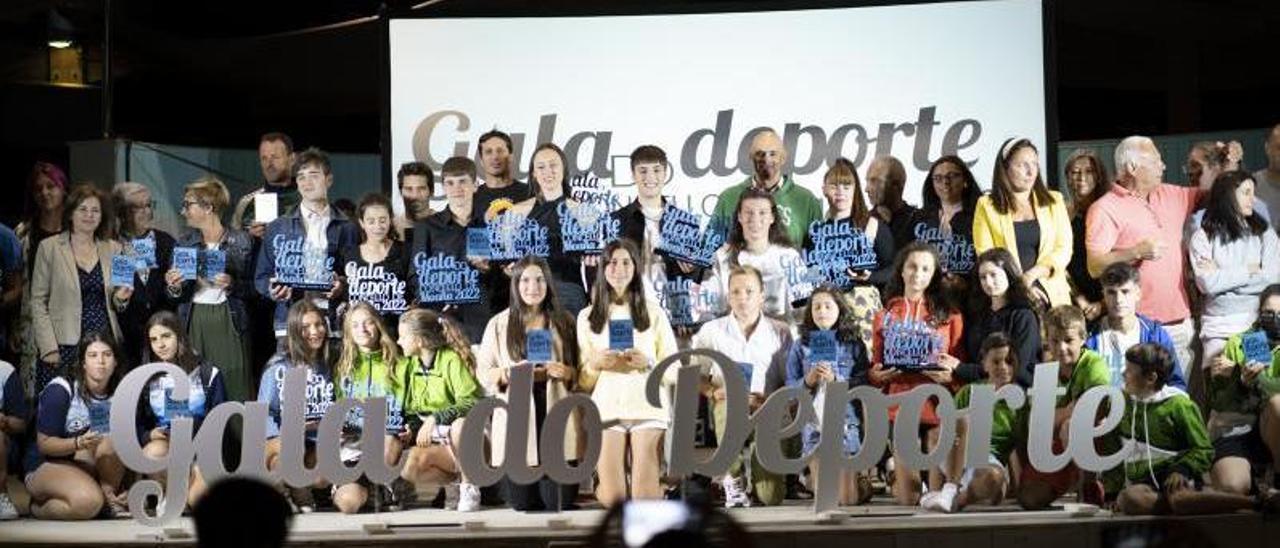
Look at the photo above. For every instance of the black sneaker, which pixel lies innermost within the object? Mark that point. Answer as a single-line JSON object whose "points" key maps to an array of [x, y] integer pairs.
{"points": [[797, 490], [403, 493], [302, 499], [1269, 502]]}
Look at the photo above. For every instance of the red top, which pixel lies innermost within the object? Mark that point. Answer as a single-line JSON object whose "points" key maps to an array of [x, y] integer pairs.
{"points": [[900, 313]]}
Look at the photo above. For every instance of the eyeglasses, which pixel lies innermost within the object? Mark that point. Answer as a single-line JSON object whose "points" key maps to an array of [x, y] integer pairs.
{"points": [[188, 204], [943, 178], [149, 204]]}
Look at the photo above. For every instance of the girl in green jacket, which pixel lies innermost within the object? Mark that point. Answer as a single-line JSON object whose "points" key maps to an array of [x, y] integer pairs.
{"points": [[1244, 399], [366, 370], [437, 386]]}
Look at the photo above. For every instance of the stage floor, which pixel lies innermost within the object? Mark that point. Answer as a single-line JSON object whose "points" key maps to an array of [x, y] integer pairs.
{"points": [[793, 525]]}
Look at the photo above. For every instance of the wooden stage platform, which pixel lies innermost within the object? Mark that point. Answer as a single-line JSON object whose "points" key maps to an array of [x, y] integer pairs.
{"points": [[794, 525]]}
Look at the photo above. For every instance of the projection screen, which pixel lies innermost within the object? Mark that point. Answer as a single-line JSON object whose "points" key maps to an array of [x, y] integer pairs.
{"points": [[914, 81]]}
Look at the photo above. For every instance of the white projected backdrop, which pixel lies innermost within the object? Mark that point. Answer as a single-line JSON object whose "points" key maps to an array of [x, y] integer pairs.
{"points": [[659, 79]]}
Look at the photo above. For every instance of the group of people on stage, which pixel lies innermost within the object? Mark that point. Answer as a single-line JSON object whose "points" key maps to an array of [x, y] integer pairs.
{"points": [[1169, 292]]}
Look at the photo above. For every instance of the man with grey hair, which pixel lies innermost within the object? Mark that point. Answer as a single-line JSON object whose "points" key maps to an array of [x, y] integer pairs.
{"points": [[1267, 180], [1140, 222], [796, 205], [152, 249]]}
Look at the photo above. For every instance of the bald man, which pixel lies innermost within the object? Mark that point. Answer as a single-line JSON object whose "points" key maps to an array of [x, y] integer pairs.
{"points": [[797, 207], [886, 180], [1267, 180]]}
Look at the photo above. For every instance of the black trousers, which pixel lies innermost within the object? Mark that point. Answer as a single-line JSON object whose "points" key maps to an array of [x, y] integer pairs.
{"points": [[543, 494]]}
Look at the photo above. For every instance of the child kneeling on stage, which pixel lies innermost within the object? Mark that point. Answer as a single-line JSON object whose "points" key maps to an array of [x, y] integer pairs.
{"points": [[1079, 369], [986, 484], [437, 387]]}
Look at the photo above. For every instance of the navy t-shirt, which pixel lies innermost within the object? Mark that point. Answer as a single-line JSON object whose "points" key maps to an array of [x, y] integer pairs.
{"points": [[12, 402], [61, 413]]}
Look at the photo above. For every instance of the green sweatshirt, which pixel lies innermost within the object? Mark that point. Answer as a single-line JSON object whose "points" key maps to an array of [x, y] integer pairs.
{"points": [[1165, 434], [1091, 370], [446, 390], [1232, 394], [1003, 422], [369, 378], [797, 207]]}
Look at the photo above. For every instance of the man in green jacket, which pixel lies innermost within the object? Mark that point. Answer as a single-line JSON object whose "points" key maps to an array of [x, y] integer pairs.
{"points": [[797, 206]]}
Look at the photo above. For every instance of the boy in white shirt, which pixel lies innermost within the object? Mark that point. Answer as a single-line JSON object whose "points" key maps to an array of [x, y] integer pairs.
{"points": [[759, 345]]}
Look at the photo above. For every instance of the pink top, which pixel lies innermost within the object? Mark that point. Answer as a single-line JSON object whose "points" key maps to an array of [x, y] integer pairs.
{"points": [[1120, 220]]}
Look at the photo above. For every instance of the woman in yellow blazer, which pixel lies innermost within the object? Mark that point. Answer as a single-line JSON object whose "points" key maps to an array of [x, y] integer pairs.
{"points": [[71, 292], [1023, 216]]}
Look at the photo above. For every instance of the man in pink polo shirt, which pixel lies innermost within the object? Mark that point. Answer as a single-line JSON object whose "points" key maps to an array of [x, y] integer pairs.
{"points": [[1140, 222]]}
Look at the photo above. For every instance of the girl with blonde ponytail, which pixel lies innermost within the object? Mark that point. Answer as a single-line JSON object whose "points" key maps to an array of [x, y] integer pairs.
{"points": [[437, 386]]}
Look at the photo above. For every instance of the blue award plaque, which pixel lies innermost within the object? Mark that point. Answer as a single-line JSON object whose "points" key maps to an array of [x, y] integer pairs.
{"points": [[446, 280], [621, 335], [836, 247], [215, 263], [586, 227], [955, 250], [395, 415], [186, 260], [685, 237], [100, 417], [123, 268], [144, 249], [478, 243], [748, 372], [537, 346], [1257, 347], [377, 285], [174, 409], [822, 346], [677, 300], [910, 345], [302, 267], [513, 236]]}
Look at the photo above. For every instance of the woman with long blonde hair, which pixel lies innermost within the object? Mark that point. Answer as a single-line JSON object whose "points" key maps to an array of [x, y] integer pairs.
{"points": [[366, 369]]}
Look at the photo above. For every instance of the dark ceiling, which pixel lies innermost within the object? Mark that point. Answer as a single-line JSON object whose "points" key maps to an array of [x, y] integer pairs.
{"points": [[219, 73]]}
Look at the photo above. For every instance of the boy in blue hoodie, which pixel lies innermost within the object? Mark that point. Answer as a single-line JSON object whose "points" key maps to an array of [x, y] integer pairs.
{"points": [[1123, 328], [1168, 446]]}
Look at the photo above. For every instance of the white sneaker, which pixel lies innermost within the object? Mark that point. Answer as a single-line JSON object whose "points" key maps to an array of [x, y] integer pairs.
{"points": [[929, 499], [947, 497], [7, 510], [734, 496], [468, 497]]}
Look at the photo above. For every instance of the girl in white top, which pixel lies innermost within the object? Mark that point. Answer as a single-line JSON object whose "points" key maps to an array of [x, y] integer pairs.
{"points": [[758, 239], [616, 378], [1235, 255]]}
